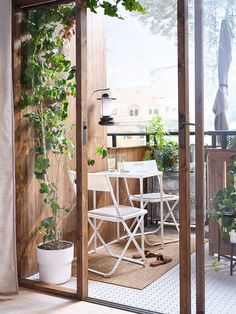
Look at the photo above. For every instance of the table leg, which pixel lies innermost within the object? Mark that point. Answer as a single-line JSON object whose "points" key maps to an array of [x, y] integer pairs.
{"points": [[231, 259], [141, 192], [118, 202], [161, 209], [219, 244], [142, 207]]}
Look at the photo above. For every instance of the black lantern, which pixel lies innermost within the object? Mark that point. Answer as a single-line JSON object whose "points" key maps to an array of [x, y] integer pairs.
{"points": [[107, 107]]}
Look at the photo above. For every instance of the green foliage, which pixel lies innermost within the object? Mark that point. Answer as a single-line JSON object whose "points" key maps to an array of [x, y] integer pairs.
{"points": [[101, 151], [160, 16], [48, 79], [164, 150], [231, 141], [112, 8], [224, 205]]}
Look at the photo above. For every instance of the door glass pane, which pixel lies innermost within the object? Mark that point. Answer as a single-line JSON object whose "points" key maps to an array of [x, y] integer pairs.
{"points": [[141, 63], [220, 98]]}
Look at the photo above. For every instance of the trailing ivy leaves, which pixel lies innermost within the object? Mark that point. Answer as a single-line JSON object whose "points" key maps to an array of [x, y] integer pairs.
{"points": [[90, 162], [112, 8], [101, 151], [48, 79], [41, 166]]}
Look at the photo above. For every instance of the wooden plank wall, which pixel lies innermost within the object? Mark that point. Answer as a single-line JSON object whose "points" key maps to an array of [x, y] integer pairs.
{"points": [[217, 160]]}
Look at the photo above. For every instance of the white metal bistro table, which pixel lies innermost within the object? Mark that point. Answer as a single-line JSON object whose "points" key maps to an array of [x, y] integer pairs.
{"points": [[141, 175]]}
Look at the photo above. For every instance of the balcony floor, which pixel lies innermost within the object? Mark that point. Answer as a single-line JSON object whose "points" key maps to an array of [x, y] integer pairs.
{"points": [[162, 295]]}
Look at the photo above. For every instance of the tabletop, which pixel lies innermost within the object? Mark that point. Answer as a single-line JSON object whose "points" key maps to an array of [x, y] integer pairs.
{"points": [[130, 174]]}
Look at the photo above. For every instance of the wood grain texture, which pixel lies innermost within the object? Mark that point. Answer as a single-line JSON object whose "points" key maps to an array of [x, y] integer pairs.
{"points": [[217, 161], [184, 171], [53, 289], [81, 150], [199, 158]]}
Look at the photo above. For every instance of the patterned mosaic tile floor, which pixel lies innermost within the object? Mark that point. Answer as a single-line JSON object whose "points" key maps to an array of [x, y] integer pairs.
{"points": [[163, 295]]}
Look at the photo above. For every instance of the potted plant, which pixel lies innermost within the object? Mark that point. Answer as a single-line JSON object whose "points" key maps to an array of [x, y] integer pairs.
{"points": [[224, 212], [48, 79], [224, 205], [161, 148]]}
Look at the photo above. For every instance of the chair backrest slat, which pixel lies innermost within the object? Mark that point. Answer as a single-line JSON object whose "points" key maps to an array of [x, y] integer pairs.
{"points": [[98, 182], [101, 183]]}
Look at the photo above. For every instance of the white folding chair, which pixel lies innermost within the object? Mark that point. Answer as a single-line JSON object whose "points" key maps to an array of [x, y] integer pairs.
{"points": [[170, 200], [114, 213]]}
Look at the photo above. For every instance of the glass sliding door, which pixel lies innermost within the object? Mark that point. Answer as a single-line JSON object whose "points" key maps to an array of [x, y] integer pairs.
{"points": [[47, 125], [219, 29]]}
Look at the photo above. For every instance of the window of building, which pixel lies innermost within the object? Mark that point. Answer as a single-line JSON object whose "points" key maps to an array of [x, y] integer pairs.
{"points": [[133, 110]]}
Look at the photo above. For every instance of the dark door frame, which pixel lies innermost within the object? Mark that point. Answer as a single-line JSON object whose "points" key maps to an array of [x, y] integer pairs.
{"points": [[199, 158], [184, 159], [19, 7]]}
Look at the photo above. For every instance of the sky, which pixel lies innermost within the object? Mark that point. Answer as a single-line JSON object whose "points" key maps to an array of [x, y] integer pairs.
{"points": [[135, 56]]}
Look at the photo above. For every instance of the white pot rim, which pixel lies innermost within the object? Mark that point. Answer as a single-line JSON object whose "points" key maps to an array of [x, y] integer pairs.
{"points": [[72, 245]]}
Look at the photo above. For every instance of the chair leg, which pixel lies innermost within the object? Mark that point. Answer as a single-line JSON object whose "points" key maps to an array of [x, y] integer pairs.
{"points": [[95, 237], [95, 228], [118, 231], [170, 212], [122, 255], [133, 234], [96, 232], [142, 235]]}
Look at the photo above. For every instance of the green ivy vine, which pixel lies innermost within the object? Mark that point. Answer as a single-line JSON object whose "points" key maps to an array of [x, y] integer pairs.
{"points": [[48, 79], [112, 8]]}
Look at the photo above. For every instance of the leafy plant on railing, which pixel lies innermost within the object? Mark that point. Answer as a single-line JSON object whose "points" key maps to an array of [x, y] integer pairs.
{"points": [[160, 148]]}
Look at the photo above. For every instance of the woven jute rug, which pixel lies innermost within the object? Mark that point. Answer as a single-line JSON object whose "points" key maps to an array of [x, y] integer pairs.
{"points": [[132, 275]]}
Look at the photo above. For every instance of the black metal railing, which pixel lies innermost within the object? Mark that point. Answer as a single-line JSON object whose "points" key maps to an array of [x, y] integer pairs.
{"points": [[218, 138], [114, 135]]}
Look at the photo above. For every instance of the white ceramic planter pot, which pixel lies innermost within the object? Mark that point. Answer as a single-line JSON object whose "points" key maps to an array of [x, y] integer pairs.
{"points": [[232, 235], [55, 265]]}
